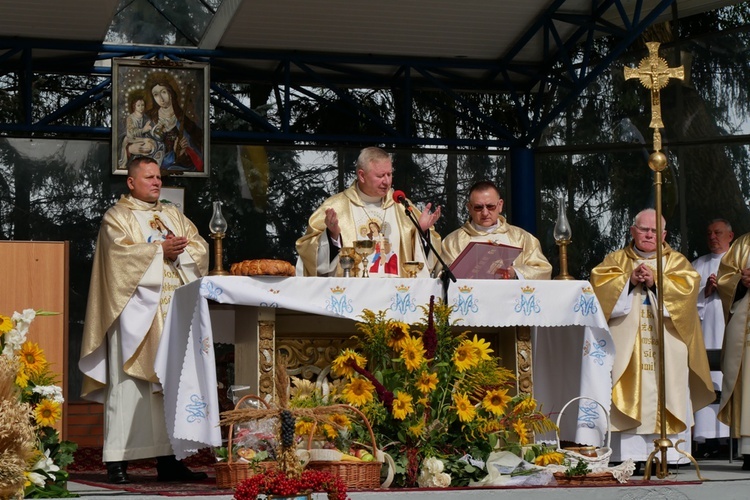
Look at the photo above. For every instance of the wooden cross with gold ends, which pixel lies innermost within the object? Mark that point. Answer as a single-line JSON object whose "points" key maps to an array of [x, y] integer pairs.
{"points": [[654, 73]]}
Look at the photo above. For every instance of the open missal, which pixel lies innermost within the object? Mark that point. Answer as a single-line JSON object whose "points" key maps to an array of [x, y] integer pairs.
{"points": [[484, 260]]}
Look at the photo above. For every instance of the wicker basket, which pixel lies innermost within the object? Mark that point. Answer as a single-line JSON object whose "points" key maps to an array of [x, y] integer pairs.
{"points": [[356, 475], [598, 458], [229, 473]]}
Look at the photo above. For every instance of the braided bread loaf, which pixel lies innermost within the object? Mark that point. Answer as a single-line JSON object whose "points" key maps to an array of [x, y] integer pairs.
{"points": [[262, 267]]}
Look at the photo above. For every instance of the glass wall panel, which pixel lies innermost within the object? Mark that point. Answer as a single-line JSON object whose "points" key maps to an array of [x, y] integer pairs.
{"points": [[55, 190], [606, 190]]}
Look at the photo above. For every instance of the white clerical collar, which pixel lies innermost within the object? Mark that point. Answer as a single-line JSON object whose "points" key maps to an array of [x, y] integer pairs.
{"points": [[370, 200], [486, 229], [143, 205], [645, 255], [715, 256]]}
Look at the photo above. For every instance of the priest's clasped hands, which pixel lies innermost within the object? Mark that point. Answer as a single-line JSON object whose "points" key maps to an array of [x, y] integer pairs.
{"points": [[173, 246], [642, 274], [745, 277]]}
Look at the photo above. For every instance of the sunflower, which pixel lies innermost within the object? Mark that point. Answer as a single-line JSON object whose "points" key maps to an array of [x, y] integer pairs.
{"points": [[330, 431], [303, 427], [340, 367], [22, 378], [482, 348], [423, 401], [402, 406], [301, 388], [413, 353], [32, 357], [523, 434], [359, 392], [398, 332], [6, 324], [47, 413], [549, 457], [465, 357], [526, 405], [490, 426], [417, 429], [336, 387], [340, 421], [464, 408], [495, 401], [427, 382]]}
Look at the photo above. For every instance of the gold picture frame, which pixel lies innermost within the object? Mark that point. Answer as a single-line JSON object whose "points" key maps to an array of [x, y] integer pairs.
{"points": [[160, 110]]}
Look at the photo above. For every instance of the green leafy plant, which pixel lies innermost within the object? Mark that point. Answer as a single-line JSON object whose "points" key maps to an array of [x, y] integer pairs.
{"points": [[579, 469]]}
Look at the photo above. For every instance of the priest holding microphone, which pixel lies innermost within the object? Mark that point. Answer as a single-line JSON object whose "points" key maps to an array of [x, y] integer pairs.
{"points": [[368, 210]]}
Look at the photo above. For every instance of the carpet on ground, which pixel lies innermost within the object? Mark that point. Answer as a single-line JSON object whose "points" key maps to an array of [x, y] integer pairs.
{"points": [[145, 483], [89, 469]]}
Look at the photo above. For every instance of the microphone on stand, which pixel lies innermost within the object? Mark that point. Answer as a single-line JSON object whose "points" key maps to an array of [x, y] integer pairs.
{"points": [[400, 197]]}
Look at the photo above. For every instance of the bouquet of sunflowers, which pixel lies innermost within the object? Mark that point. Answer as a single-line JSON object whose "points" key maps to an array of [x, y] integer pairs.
{"points": [[430, 392], [32, 457]]}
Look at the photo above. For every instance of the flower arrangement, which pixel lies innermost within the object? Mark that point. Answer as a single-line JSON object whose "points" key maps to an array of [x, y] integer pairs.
{"points": [[435, 394], [279, 483], [34, 401]]}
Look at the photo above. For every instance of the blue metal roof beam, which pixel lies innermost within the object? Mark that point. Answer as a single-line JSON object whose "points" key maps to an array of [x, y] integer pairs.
{"points": [[239, 110], [479, 115], [344, 95], [90, 96], [637, 27]]}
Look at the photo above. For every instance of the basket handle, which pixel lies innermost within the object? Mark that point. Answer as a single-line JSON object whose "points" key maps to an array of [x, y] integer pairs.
{"points": [[364, 419], [386, 458], [606, 415], [231, 426]]}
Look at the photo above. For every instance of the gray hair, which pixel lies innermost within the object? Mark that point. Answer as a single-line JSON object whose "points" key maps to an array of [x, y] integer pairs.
{"points": [[370, 155], [646, 210], [719, 219]]}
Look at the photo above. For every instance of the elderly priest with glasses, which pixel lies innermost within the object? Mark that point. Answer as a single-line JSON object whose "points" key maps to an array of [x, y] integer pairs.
{"points": [[487, 225], [626, 285]]}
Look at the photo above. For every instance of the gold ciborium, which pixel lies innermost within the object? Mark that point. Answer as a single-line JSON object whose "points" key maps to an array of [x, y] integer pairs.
{"points": [[347, 260], [364, 248], [412, 268]]}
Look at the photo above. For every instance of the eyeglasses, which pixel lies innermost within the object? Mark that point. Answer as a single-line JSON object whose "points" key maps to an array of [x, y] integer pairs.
{"points": [[479, 208], [645, 229]]}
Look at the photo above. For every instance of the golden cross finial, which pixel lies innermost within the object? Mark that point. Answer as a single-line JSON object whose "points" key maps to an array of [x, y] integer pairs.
{"points": [[654, 73]]}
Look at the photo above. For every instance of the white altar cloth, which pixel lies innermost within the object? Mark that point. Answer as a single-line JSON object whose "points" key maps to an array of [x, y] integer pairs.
{"points": [[567, 362]]}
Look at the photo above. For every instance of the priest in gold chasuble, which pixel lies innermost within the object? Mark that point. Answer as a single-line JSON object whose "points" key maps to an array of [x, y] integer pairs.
{"points": [[366, 211], [733, 282], [487, 225], [144, 252], [625, 284]]}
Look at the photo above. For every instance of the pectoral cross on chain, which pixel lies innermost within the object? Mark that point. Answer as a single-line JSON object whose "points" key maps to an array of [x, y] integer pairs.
{"points": [[654, 73]]}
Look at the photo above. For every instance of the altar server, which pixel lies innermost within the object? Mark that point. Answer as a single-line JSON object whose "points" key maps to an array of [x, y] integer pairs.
{"points": [[708, 429]]}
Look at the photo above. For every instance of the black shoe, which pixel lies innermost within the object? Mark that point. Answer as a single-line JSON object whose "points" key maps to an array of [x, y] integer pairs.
{"points": [[117, 473], [170, 469]]}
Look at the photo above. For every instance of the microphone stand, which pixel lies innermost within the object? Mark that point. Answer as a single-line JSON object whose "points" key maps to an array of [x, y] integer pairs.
{"points": [[446, 275]]}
